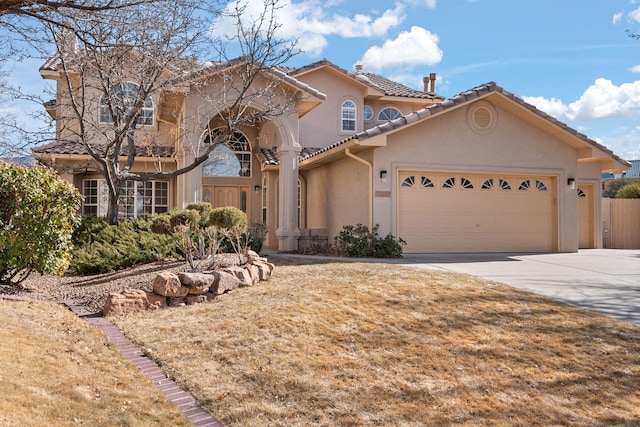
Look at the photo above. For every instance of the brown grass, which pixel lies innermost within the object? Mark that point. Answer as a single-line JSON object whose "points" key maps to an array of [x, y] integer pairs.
{"points": [[370, 344], [58, 370]]}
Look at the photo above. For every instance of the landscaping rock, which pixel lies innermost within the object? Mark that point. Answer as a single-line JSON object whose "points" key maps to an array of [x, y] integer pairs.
{"points": [[168, 284], [242, 275], [263, 267], [131, 300], [198, 283], [225, 282], [176, 301], [195, 299], [254, 273]]}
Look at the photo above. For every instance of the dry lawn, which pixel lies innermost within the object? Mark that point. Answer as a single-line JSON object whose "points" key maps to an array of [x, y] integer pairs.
{"points": [[58, 370], [355, 344]]}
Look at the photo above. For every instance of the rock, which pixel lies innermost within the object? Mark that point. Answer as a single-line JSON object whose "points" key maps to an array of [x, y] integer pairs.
{"points": [[169, 285], [198, 283], [131, 300], [225, 282], [242, 275], [196, 299], [176, 301], [252, 254], [254, 273], [264, 269]]}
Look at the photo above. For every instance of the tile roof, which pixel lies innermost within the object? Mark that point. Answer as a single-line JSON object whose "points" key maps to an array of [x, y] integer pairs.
{"points": [[269, 156], [384, 85], [458, 100], [69, 147]]}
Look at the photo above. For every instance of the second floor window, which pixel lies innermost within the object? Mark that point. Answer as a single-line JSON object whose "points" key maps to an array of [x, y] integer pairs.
{"points": [[389, 113], [121, 101], [348, 115]]}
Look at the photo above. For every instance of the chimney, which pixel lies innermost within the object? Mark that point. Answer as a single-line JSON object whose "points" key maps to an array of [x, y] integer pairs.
{"points": [[432, 78], [358, 68]]}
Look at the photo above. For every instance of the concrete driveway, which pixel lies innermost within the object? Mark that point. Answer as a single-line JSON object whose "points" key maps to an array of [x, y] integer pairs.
{"points": [[606, 281]]}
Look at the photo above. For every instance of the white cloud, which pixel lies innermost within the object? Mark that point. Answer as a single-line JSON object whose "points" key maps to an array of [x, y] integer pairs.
{"points": [[635, 15], [616, 18], [603, 99], [635, 69], [554, 107], [415, 47], [310, 24], [431, 4]]}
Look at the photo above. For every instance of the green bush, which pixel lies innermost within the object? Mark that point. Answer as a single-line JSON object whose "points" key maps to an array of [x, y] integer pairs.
{"points": [[229, 218], [38, 213], [358, 242], [101, 247], [629, 191]]}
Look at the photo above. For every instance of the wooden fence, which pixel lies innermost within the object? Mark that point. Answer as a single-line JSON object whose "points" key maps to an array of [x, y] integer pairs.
{"points": [[621, 222]]}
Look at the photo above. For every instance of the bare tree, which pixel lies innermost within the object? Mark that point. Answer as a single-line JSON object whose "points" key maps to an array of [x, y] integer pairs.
{"points": [[23, 34], [130, 59]]}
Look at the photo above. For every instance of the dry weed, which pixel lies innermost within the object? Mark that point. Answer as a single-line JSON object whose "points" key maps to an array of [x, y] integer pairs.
{"points": [[355, 344], [58, 370]]}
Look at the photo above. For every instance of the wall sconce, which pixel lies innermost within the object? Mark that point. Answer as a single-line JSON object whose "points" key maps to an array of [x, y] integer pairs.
{"points": [[256, 189], [383, 175], [571, 182]]}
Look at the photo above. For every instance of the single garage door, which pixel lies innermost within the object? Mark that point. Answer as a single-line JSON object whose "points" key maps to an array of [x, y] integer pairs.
{"points": [[586, 214], [454, 212]]}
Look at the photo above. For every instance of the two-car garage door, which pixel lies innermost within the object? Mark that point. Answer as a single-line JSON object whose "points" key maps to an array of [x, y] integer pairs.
{"points": [[458, 212]]}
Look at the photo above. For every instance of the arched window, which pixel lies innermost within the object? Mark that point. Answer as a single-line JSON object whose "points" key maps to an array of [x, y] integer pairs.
{"points": [[389, 113], [230, 157], [348, 115], [121, 101], [367, 113]]}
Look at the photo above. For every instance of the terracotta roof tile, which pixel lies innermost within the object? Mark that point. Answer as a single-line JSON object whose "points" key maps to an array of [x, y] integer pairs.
{"points": [[69, 147], [386, 86], [269, 156], [466, 97]]}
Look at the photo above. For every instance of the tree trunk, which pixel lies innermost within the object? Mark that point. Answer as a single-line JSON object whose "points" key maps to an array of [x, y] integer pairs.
{"points": [[114, 198]]}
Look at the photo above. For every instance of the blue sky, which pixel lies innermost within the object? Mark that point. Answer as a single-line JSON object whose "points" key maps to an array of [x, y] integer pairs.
{"points": [[570, 58]]}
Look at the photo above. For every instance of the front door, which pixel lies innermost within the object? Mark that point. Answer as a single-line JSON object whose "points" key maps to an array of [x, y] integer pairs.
{"points": [[227, 195], [586, 214]]}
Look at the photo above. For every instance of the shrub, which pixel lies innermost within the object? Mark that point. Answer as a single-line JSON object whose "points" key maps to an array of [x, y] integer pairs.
{"points": [[191, 231], [629, 191], [38, 213], [229, 218], [101, 247], [357, 241]]}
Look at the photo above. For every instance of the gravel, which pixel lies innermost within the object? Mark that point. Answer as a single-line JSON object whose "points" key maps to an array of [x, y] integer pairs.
{"points": [[92, 291]]}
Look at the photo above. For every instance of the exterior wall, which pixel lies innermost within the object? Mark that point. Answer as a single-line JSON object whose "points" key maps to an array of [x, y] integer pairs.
{"points": [[447, 143], [321, 126], [337, 195]]}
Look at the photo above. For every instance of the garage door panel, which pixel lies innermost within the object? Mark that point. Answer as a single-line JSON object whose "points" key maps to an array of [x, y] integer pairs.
{"points": [[476, 219]]}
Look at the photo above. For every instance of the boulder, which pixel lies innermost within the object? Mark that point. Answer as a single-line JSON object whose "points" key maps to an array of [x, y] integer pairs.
{"points": [[225, 282], [263, 268], [168, 284], [242, 275], [131, 300], [254, 273], [198, 283]]}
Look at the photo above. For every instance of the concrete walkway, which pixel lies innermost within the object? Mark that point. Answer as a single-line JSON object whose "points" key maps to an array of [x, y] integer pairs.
{"points": [[605, 281]]}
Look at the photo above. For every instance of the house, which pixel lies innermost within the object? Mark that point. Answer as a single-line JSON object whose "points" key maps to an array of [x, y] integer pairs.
{"points": [[480, 172]]}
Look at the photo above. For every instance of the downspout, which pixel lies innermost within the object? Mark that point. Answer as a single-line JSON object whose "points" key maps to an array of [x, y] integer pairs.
{"points": [[348, 152]]}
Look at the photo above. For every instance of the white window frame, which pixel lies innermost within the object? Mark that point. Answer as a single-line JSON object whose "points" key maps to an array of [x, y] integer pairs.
{"points": [[387, 116], [133, 202], [348, 116], [241, 148], [146, 116]]}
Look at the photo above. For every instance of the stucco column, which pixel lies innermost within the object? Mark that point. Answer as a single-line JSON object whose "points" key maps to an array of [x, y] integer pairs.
{"points": [[288, 231], [190, 183]]}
